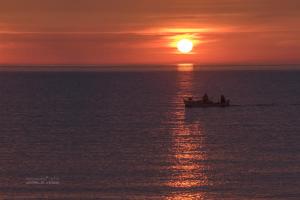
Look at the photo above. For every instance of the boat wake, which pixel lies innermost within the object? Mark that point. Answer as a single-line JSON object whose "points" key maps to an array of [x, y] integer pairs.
{"points": [[264, 105]]}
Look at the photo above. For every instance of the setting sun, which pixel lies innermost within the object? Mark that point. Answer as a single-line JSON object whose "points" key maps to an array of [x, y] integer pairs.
{"points": [[185, 46]]}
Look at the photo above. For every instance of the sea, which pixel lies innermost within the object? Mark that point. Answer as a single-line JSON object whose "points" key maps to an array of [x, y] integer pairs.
{"points": [[125, 134]]}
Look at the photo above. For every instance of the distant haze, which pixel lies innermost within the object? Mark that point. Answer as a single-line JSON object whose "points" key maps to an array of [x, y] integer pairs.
{"points": [[144, 31]]}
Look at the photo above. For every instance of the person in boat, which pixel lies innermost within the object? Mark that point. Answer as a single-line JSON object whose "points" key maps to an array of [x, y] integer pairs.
{"points": [[223, 99], [205, 98]]}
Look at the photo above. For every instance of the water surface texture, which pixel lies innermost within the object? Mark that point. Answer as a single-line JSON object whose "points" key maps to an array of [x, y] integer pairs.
{"points": [[127, 135]]}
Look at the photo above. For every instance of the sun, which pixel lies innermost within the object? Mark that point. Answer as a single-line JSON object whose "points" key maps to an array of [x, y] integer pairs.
{"points": [[185, 46]]}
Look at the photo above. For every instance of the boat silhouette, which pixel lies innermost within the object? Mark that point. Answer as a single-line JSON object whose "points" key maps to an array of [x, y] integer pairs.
{"points": [[193, 102]]}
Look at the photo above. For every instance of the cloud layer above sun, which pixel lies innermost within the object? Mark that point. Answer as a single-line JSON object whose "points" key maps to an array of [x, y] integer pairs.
{"points": [[146, 31]]}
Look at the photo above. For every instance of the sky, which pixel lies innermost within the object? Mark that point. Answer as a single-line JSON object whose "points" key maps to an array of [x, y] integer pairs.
{"points": [[146, 31]]}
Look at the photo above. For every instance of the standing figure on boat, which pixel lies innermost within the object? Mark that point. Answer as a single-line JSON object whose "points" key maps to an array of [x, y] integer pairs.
{"points": [[223, 99], [205, 98]]}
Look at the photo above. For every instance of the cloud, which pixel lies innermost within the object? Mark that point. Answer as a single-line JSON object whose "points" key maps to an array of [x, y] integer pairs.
{"points": [[145, 30]]}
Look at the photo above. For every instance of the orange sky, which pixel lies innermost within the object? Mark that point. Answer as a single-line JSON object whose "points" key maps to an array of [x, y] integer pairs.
{"points": [[144, 31]]}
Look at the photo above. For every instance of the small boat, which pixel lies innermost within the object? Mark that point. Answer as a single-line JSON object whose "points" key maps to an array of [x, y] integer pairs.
{"points": [[191, 102]]}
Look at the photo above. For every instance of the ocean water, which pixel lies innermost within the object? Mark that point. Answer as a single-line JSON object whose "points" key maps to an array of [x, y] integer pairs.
{"points": [[127, 135]]}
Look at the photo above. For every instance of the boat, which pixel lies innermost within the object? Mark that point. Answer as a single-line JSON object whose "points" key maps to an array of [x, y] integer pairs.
{"points": [[192, 102]]}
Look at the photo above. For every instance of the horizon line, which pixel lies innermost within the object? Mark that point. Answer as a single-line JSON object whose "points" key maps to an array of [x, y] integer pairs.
{"points": [[147, 64], [150, 67]]}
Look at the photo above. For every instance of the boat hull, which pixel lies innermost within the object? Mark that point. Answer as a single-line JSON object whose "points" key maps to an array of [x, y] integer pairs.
{"points": [[200, 104]]}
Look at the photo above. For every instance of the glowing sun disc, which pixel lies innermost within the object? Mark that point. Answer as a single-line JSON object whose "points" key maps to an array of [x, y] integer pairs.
{"points": [[185, 46]]}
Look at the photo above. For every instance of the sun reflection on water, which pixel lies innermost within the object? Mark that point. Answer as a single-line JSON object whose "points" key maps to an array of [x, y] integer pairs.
{"points": [[188, 172], [185, 67]]}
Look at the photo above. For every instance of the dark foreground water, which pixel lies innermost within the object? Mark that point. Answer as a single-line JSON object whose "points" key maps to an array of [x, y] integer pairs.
{"points": [[126, 135]]}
